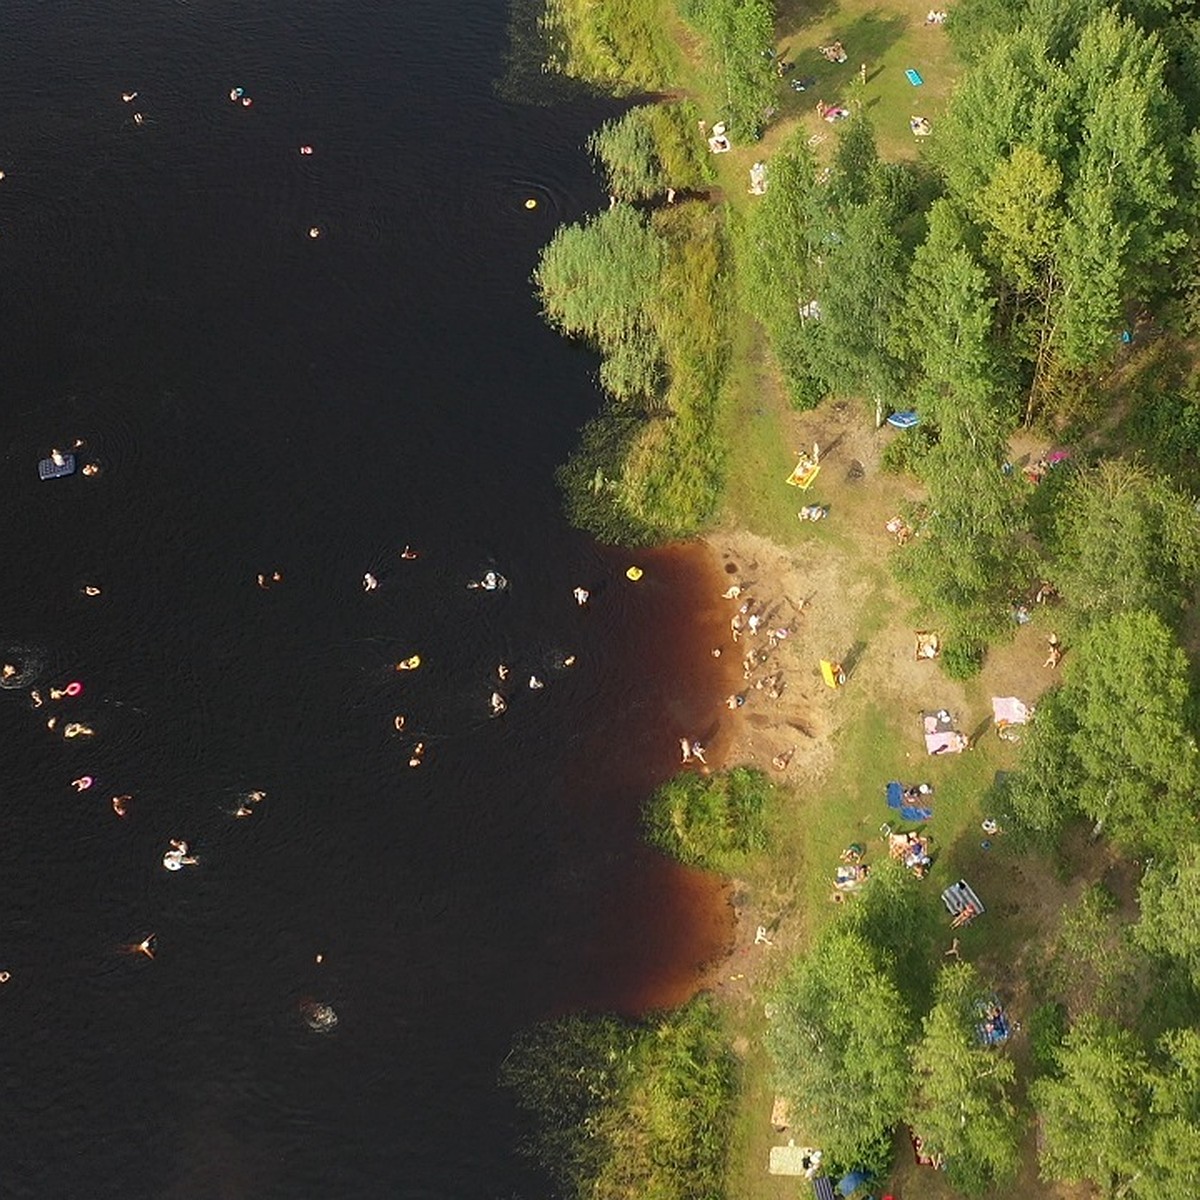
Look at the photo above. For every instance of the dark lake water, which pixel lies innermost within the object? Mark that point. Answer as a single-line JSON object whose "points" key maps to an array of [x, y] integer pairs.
{"points": [[259, 400]]}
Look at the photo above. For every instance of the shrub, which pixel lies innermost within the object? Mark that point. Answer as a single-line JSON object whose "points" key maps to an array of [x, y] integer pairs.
{"points": [[710, 820], [963, 659]]}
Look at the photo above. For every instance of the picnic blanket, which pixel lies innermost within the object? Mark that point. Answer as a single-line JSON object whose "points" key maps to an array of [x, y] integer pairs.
{"points": [[940, 735], [994, 1030], [909, 812], [1008, 710]]}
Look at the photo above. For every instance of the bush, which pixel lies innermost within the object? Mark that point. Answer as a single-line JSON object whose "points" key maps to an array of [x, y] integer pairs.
{"points": [[710, 820], [963, 659]]}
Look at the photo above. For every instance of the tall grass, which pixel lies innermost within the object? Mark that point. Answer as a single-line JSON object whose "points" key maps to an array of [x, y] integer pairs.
{"points": [[712, 821], [621, 46], [657, 472], [651, 148], [675, 467], [627, 1111]]}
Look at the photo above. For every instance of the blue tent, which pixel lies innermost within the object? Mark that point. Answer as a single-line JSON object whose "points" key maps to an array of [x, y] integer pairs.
{"points": [[904, 420], [849, 1184]]}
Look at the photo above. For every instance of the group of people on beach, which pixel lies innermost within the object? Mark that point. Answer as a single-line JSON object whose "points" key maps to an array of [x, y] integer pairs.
{"points": [[757, 624]]}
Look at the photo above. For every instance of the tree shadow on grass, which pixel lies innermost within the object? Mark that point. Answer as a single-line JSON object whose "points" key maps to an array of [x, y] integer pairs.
{"points": [[866, 39], [792, 16], [869, 37]]}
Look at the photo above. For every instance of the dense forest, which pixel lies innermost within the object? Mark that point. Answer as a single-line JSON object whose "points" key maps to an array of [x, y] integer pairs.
{"points": [[1034, 268]]}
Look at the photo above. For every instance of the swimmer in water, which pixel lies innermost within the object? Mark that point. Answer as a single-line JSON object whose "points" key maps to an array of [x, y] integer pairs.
{"points": [[138, 119], [418, 753], [90, 469], [262, 581], [35, 698], [148, 946], [276, 576], [91, 590], [398, 721], [52, 723], [502, 672], [235, 94], [569, 661], [409, 553], [491, 582], [250, 798], [129, 97], [370, 583], [581, 596], [120, 805], [8, 671], [82, 783], [535, 683], [178, 857], [76, 729], [411, 663], [499, 704]]}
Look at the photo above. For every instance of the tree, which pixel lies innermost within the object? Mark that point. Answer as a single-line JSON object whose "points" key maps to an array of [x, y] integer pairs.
{"points": [[839, 1038], [598, 281], [1066, 149], [1126, 538], [780, 246], [1127, 685], [950, 306], [1044, 792], [861, 298], [738, 32], [1115, 741], [1173, 1156], [962, 1108], [1094, 1114], [1170, 911]]}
